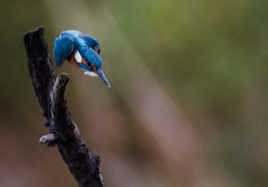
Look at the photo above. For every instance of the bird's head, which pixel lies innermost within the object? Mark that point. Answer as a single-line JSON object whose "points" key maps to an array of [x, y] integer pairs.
{"points": [[92, 61], [91, 42]]}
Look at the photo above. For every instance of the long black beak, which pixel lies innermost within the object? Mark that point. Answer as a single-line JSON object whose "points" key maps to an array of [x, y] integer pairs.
{"points": [[103, 77]]}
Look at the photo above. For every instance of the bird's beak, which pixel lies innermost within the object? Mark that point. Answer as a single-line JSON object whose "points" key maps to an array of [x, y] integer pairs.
{"points": [[103, 77]]}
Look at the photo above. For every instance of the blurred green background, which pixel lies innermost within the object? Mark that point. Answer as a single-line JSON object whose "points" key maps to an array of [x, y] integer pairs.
{"points": [[189, 96]]}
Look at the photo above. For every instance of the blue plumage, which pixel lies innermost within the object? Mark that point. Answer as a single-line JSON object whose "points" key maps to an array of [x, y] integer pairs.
{"points": [[80, 50], [90, 41], [63, 47]]}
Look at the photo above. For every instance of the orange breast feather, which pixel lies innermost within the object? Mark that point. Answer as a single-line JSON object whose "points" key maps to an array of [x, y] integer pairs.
{"points": [[73, 61], [84, 61]]}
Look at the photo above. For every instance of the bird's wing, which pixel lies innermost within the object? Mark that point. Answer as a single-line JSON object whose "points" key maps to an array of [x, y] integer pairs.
{"points": [[63, 47]]}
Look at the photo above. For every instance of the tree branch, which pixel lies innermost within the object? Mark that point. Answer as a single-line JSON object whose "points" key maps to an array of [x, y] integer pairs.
{"points": [[82, 163]]}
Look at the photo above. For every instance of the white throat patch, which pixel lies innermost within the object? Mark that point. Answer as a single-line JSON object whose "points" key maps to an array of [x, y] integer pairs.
{"points": [[90, 73]]}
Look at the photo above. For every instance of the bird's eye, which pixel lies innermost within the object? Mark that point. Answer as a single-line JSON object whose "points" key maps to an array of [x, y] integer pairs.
{"points": [[97, 50]]}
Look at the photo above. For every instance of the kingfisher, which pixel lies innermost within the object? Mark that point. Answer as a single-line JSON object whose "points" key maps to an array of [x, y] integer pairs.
{"points": [[82, 51]]}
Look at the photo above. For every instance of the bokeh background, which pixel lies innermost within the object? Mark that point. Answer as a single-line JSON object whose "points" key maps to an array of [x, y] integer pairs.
{"points": [[189, 96]]}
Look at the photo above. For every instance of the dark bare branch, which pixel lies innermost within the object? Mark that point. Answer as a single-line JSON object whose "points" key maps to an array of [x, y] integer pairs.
{"points": [[40, 67]]}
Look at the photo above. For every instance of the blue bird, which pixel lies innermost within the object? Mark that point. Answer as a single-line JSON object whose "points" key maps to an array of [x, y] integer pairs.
{"points": [[80, 50]]}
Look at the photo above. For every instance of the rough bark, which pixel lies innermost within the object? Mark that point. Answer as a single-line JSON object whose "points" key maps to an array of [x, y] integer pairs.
{"points": [[82, 163]]}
